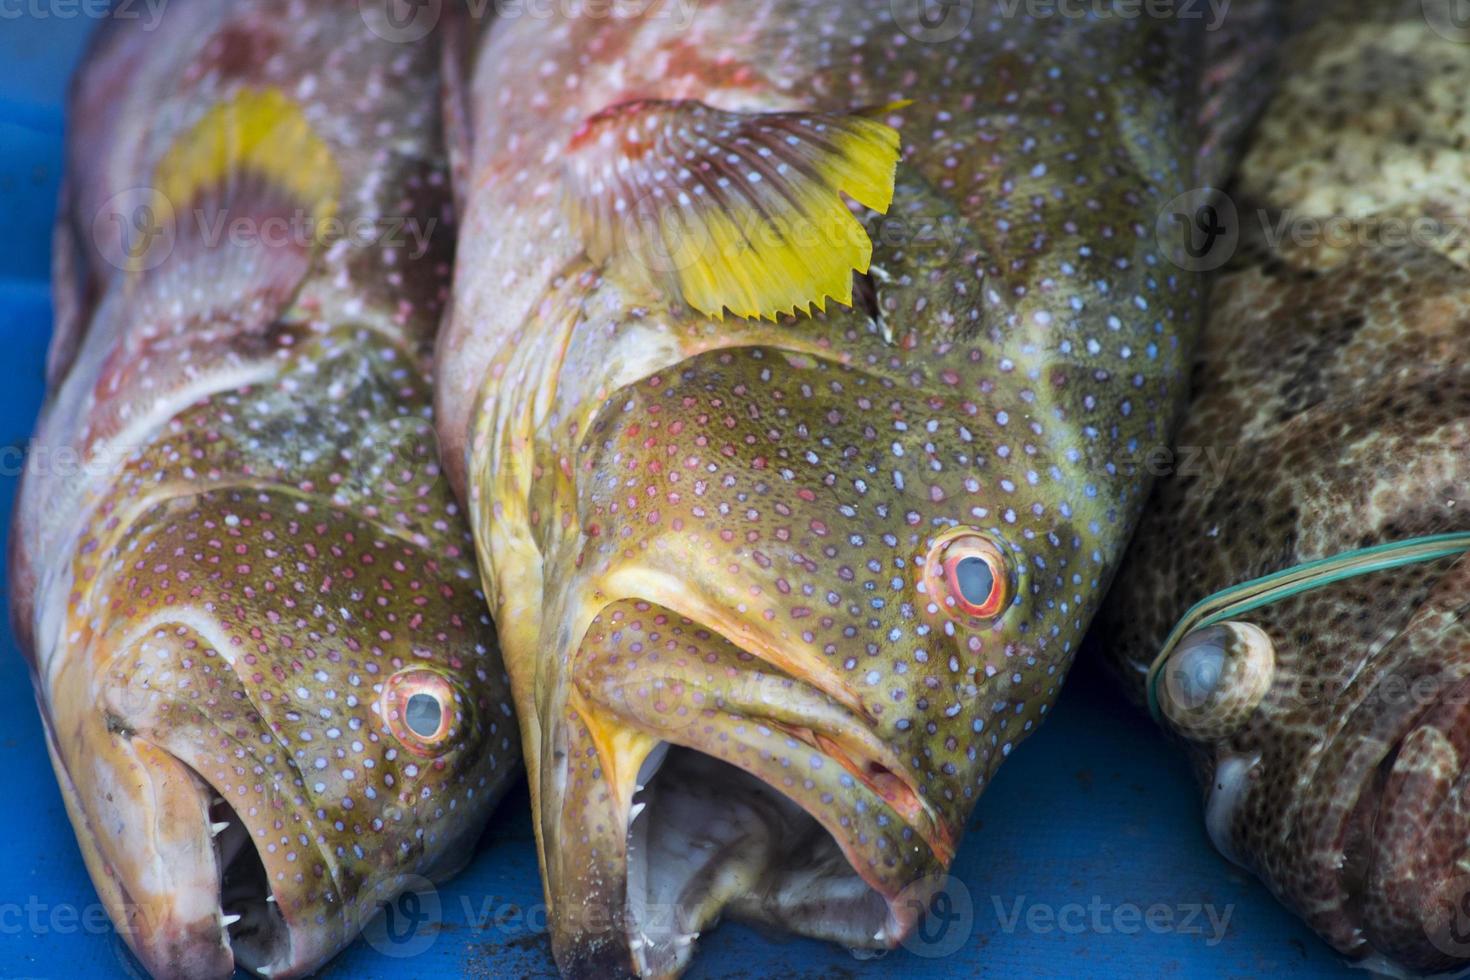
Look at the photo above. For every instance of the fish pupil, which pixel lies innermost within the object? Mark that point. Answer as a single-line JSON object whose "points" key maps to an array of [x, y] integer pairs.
{"points": [[423, 714], [975, 580]]}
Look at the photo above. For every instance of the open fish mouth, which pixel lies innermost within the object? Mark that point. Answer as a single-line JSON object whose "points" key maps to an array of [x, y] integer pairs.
{"points": [[231, 879], [258, 934], [730, 787]]}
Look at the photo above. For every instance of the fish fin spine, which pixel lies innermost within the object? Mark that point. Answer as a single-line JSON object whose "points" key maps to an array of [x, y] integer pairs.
{"points": [[736, 211]]}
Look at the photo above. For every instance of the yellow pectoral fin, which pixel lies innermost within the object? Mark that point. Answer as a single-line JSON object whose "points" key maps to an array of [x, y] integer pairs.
{"points": [[244, 200], [258, 132], [742, 212]]}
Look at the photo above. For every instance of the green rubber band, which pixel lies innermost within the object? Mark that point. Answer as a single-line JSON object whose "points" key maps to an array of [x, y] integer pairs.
{"points": [[1263, 591]]}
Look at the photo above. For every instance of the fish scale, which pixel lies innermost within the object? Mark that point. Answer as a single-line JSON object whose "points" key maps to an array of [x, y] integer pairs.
{"points": [[237, 562], [638, 471]]}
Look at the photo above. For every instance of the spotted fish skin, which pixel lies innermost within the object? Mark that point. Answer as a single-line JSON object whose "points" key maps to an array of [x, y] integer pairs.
{"points": [[235, 559], [1333, 391], [714, 535]]}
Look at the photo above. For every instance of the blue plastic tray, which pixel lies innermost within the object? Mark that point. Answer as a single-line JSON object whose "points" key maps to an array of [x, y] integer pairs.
{"points": [[1086, 858]]}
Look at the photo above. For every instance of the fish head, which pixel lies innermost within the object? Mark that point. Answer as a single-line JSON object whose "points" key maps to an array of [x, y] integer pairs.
{"points": [[272, 692], [1328, 727], [295, 718]]}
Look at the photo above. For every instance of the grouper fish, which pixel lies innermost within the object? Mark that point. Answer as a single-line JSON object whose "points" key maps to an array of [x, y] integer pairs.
{"points": [[1294, 604], [794, 354], [270, 687]]}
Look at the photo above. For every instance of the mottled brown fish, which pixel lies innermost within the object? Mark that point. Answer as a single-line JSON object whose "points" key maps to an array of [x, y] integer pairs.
{"points": [[778, 593], [270, 687], [1326, 711]]}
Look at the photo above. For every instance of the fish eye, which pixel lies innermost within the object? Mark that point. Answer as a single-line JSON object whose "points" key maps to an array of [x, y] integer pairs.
{"points": [[421, 709], [1215, 678], [969, 575]]}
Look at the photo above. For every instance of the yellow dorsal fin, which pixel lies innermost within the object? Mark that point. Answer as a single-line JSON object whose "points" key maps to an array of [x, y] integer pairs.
{"points": [[737, 211]]}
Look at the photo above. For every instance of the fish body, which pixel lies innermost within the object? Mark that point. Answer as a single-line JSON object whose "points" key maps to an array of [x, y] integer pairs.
{"points": [[779, 593], [270, 689], [1332, 414]]}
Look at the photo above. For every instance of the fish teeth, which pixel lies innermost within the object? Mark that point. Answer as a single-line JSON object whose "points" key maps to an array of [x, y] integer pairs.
{"points": [[215, 829], [636, 809], [270, 898], [229, 920]]}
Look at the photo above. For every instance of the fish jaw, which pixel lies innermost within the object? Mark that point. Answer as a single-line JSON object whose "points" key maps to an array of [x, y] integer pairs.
{"points": [[163, 898], [700, 780], [185, 896]]}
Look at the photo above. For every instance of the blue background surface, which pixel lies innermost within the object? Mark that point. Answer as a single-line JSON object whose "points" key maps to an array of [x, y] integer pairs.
{"points": [[1093, 818]]}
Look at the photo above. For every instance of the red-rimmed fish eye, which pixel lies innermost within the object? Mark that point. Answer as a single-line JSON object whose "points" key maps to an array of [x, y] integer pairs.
{"points": [[968, 576], [421, 710]]}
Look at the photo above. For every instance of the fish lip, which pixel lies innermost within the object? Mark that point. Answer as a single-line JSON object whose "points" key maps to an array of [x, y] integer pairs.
{"points": [[222, 808], [837, 744], [305, 950], [889, 782], [170, 940]]}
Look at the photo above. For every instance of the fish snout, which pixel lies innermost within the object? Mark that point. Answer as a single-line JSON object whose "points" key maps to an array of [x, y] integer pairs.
{"points": [[174, 863], [703, 781], [208, 871]]}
